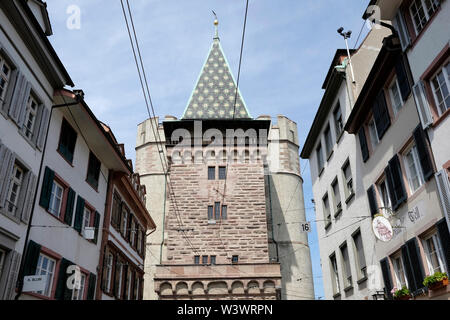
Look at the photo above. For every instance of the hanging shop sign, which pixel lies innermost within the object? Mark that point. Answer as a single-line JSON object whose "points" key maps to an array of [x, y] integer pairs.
{"points": [[382, 228]]}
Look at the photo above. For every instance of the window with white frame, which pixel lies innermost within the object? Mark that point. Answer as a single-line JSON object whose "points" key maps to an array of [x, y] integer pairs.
{"points": [[336, 196], [422, 11], [109, 266], [5, 73], [123, 226], [326, 210], [346, 265], [120, 273], [15, 188], [334, 274], [133, 233], [347, 175], [86, 219], [56, 199], [384, 195], [434, 254], [78, 291], [46, 267], [396, 97], [399, 271], [128, 288], [441, 87], [413, 169], [30, 118], [319, 155], [328, 140], [361, 259], [374, 140], [139, 240], [339, 124]]}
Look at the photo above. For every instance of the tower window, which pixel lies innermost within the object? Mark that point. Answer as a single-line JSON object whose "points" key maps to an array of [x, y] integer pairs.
{"points": [[211, 173], [234, 259]]}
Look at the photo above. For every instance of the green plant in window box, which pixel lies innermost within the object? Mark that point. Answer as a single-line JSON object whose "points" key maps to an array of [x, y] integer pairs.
{"points": [[402, 294], [436, 281]]}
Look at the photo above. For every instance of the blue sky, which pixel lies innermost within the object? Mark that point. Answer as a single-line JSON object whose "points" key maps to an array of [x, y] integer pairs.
{"points": [[288, 50]]}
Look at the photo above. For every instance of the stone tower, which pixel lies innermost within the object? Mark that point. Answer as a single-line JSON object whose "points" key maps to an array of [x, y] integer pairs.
{"points": [[225, 191]]}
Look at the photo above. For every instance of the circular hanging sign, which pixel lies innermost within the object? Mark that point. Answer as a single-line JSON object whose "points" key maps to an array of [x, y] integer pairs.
{"points": [[382, 228]]}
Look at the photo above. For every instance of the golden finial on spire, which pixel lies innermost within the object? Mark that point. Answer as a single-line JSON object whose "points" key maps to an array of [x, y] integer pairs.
{"points": [[216, 24]]}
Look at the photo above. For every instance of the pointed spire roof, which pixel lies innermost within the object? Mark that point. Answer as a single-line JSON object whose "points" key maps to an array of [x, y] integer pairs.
{"points": [[214, 94]]}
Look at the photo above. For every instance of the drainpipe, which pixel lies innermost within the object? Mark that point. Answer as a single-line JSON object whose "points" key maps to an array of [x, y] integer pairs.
{"points": [[25, 247]]}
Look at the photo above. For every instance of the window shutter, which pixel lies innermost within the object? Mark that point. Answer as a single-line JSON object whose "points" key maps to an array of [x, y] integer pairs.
{"points": [[372, 200], [130, 217], [19, 88], [43, 127], [444, 235], [70, 203], [443, 184], [423, 108], [79, 211], [46, 191], [104, 272], [31, 258], [363, 144], [413, 265], [115, 277], [13, 274], [6, 168], [29, 198], [400, 26], [402, 78], [385, 269], [91, 287], [396, 183], [381, 114], [61, 285], [96, 226], [424, 154], [10, 91]]}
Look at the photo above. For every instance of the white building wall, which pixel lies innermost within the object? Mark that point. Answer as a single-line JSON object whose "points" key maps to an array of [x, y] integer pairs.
{"points": [[421, 55], [65, 240]]}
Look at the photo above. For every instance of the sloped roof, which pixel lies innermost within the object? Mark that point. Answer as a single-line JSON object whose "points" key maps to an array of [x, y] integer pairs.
{"points": [[214, 94]]}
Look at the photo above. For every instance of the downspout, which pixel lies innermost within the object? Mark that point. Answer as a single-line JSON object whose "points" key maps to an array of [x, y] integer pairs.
{"points": [[164, 218], [271, 218]]}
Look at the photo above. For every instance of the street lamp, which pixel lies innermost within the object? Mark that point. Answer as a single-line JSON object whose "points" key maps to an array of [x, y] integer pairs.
{"points": [[346, 36]]}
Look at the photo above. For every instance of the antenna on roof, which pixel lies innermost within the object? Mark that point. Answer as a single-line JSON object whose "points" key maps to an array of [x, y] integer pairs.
{"points": [[346, 36], [216, 23]]}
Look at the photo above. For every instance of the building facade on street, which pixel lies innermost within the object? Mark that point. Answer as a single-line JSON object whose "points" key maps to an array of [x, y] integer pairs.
{"points": [[30, 72], [345, 238], [400, 120], [124, 237], [225, 203]]}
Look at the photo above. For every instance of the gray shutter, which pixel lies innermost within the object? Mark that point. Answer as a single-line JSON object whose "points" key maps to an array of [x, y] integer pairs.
{"points": [[444, 193], [29, 197], [14, 109], [23, 103], [12, 276], [5, 174], [400, 26], [10, 90], [423, 108], [43, 127]]}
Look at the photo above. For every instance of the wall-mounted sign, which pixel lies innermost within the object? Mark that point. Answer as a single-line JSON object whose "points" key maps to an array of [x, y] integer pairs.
{"points": [[89, 233], [34, 283], [382, 228]]}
